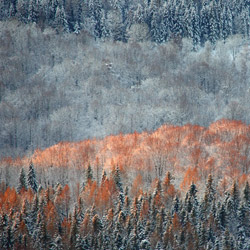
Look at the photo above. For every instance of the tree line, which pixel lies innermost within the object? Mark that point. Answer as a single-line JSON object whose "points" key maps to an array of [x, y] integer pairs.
{"points": [[155, 20]]}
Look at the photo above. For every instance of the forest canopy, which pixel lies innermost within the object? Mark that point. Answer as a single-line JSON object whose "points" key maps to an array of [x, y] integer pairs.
{"points": [[69, 87]]}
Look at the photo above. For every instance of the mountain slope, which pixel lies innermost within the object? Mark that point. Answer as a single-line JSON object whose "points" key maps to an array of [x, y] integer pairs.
{"points": [[56, 87]]}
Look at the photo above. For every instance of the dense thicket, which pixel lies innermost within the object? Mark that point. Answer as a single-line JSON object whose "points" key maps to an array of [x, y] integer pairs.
{"points": [[68, 87], [157, 20], [111, 216]]}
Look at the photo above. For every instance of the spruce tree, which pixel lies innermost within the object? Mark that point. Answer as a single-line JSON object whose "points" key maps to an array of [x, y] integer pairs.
{"points": [[246, 194], [22, 181], [32, 182], [222, 216], [57, 243], [191, 198], [235, 196], [89, 174]]}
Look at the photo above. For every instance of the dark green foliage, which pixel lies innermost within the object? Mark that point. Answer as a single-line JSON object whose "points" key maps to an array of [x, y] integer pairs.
{"points": [[222, 216], [22, 185], [32, 182], [246, 192]]}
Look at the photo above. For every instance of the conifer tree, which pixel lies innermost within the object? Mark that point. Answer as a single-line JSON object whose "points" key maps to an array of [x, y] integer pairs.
{"points": [[235, 196], [61, 19], [222, 217], [57, 243], [191, 198], [103, 26], [33, 214], [246, 194], [8, 240], [22, 181], [32, 182], [73, 230], [89, 174]]}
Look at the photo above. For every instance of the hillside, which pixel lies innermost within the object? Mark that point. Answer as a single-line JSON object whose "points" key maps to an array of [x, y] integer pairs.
{"points": [[68, 87], [124, 124]]}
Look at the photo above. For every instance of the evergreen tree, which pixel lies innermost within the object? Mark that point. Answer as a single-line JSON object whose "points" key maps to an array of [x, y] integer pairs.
{"points": [[226, 241], [32, 182], [8, 240], [61, 21], [208, 199], [246, 194], [222, 216], [226, 23], [33, 214], [242, 226], [77, 28], [22, 181], [204, 19], [3, 227], [57, 243], [33, 10], [235, 196], [145, 245], [103, 26], [191, 198], [89, 174], [73, 230]]}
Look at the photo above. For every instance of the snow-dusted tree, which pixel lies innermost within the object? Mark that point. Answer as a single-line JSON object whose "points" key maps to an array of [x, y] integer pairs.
{"points": [[41, 232], [89, 174], [33, 214], [77, 28], [61, 21], [222, 216], [246, 193], [191, 201], [204, 21], [73, 230], [22, 9], [57, 243], [115, 25], [139, 14], [22, 184], [226, 23], [103, 26], [209, 194], [235, 196], [245, 22], [33, 10], [156, 33], [145, 244], [138, 32], [32, 182]]}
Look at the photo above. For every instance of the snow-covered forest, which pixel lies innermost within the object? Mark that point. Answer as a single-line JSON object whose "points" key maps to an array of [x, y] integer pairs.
{"points": [[121, 20], [67, 87], [112, 216], [179, 187], [124, 125]]}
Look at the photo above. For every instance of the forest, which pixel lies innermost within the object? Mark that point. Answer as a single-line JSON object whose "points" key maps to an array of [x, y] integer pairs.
{"points": [[179, 187], [69, 87], [124, 125]]}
